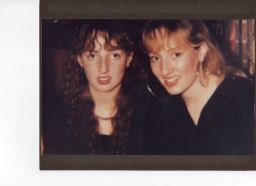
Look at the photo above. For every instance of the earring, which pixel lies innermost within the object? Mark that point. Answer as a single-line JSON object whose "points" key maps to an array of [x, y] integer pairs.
{"points": [[147, 77], [201, 74], [154, 87]]}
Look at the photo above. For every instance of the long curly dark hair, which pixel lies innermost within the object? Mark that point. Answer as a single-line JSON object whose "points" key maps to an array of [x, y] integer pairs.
{"points": [[81, 120]]}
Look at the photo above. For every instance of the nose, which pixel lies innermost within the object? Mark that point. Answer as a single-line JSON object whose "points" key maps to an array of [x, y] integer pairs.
{"points": [[103, 67], [166, 66]]}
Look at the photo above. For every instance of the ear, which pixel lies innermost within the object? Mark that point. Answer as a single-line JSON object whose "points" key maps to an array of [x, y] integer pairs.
{"points": [[79, 60], [202, 52], [129, 59]]}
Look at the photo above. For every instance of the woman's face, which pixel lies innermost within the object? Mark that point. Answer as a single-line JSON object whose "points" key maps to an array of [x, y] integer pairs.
{"points": [[104, 69], [176, 66]]}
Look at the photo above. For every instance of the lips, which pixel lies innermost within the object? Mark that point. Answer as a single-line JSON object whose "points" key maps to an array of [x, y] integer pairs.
{"points": [[103, 80], [171, 81]]}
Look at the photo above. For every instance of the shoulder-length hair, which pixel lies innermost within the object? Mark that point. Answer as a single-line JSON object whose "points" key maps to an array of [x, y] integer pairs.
{"points": [[157, 33]]}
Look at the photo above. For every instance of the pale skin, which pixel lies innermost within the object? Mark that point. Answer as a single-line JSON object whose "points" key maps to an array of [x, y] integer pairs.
{"points": [[176, 68], [197, 101], [104, 70]]}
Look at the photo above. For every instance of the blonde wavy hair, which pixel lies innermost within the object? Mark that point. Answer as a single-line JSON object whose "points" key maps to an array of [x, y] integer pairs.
{"points": [[157, 34]]}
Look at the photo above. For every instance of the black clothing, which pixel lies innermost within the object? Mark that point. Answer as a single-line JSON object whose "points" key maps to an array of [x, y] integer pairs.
{"points": [[164, 126], [163, 134], [61, 138], [226, 124]]}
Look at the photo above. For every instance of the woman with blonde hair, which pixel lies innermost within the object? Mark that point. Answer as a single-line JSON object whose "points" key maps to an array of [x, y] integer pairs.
{"points": [[216, 112]]}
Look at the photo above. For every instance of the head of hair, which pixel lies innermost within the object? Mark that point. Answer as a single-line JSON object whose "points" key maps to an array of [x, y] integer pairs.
{"points": [[157, 35], [80, 115]]}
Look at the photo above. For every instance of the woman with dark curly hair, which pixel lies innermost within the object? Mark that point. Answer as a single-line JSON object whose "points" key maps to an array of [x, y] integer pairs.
{"points": [[100, 92]]}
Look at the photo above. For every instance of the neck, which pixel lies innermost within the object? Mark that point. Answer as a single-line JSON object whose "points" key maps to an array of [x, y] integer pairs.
{"points": [[194, 93], [197, 93], [197, 97], [105, 103]]}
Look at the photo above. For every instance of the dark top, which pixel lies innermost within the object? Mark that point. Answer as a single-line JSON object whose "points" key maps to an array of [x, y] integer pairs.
{"points": [[226, 124], [164, 126], [105, 143], [163, 135], [59, 138]]}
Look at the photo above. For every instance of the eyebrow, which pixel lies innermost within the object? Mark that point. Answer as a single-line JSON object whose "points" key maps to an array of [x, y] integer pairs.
{"points": [[91, 50], [110, 50], [168, 50], [113, 49]]}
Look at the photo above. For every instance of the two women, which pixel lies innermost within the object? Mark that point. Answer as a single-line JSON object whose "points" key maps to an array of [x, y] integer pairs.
{"points": [[108, 110]]}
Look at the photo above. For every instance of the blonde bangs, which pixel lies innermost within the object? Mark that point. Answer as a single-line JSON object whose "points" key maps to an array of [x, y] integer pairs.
{"points": [[162, 38]]}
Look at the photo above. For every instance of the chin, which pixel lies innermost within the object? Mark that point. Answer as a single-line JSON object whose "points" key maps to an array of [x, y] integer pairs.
{"points": [[173, 92], [107, 88]]}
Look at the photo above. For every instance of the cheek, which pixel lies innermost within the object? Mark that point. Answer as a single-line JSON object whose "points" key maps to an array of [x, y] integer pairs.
{"points": [[189, 66], [89, 72], [118, 70], [155, 69]]}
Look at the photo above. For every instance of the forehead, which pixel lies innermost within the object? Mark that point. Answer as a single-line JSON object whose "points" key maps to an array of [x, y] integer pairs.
{"points": [[99, 39], [162, 38]]}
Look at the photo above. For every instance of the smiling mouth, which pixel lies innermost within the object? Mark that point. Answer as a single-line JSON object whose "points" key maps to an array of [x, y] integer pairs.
{"points": [[170, 82], [103, 80]]}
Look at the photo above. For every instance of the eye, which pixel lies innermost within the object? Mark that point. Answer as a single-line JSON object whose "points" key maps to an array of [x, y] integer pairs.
{"points": [[90, 55], [154, 58], [176, 55], [116, 55]]}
